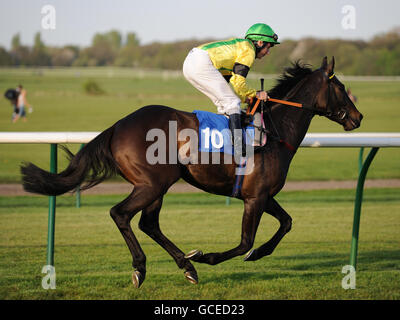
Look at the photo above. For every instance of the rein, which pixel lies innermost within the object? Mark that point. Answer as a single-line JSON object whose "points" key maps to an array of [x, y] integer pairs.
{"points": [[289, 103], [316, 110], [319, 111]]}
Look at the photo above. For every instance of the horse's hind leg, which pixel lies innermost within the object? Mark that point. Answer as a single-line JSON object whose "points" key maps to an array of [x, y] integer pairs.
{"points": [[122, 213], [253, 210], [149, 224], [274, 209]]}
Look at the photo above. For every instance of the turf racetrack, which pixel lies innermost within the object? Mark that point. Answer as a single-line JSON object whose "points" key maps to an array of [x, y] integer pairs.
{"points": [[93, 262]]}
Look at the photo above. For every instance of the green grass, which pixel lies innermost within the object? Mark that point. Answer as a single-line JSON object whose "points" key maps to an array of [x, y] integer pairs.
{"points": [[60, 104], [93, 262]]}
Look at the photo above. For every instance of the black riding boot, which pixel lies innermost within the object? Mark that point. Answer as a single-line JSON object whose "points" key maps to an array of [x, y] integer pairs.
{"points": [[237, 139]]}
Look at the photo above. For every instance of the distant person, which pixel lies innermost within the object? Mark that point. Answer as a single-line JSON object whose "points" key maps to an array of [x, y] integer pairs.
{"points": [[211, 66], [21, 104], [12, 95], [351, 96]]}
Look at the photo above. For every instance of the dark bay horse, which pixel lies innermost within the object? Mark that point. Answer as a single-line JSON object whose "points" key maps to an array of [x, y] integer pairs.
{"points": [[121, 149]]}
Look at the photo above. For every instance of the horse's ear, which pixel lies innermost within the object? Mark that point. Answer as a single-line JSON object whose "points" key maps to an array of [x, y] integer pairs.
{"points": [[324, 65], [331, 66]]}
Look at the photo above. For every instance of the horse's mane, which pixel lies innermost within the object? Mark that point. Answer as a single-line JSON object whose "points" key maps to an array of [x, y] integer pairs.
{"points": [[290, 77]]}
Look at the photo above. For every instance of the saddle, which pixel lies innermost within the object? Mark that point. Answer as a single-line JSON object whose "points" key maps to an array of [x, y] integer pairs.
{"points": [[215, 135]]}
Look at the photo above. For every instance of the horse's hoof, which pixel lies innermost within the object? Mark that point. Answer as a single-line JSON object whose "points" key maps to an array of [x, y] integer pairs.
{"points": [[249, 256], [193, 254], [191, 277], [137, 279]]}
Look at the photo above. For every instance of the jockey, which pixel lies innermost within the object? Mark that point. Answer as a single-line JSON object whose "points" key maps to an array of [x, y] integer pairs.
{"points": [[211, 66]]}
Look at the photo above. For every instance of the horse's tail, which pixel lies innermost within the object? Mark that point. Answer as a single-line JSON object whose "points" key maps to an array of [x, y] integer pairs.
{"points": [[93, 164]]}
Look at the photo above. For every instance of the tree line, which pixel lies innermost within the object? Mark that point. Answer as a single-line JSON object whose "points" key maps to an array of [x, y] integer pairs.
{"points": [[378, 56]]}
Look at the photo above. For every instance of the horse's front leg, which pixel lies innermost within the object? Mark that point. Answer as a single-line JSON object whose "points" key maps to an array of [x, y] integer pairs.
{"points": [[253, 210], [274, 209]]}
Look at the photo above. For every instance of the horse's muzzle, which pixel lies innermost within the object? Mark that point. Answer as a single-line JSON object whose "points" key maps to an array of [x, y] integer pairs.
{"points": [[353, 122]]}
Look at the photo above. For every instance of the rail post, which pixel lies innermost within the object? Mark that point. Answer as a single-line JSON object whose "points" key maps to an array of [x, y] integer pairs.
{"points": [[360, 159], [52, 209], [78, 188], [357, 205]]}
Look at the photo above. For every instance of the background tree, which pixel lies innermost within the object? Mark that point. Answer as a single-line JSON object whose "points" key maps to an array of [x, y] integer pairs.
{"points": [[39, 55], [5, 57], [129, 54], [20, 55], [379, 56], [15, 41]]}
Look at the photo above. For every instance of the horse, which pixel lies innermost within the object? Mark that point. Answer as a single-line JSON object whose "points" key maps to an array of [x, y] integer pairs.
{"points": [[121, 150]]}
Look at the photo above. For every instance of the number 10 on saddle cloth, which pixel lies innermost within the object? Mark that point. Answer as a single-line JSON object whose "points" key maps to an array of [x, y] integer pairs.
{"points": [[215, 135]]}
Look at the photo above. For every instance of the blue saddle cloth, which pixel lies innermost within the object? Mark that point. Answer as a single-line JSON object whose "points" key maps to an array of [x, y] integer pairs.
{"points": [[214, 132]]}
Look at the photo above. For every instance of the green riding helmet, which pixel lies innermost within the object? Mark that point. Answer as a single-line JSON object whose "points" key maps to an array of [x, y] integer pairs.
{"points": [[263, 32]]}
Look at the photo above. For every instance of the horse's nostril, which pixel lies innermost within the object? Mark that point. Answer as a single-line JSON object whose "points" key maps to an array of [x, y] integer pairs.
{"points": [[361, 117]]}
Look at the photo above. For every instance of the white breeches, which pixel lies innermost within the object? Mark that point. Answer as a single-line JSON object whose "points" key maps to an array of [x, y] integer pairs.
{"points": [[199, 70]]}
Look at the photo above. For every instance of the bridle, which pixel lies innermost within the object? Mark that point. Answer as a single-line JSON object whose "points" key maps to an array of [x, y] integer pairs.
{"points": [[320, 111], [327, 111]]}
